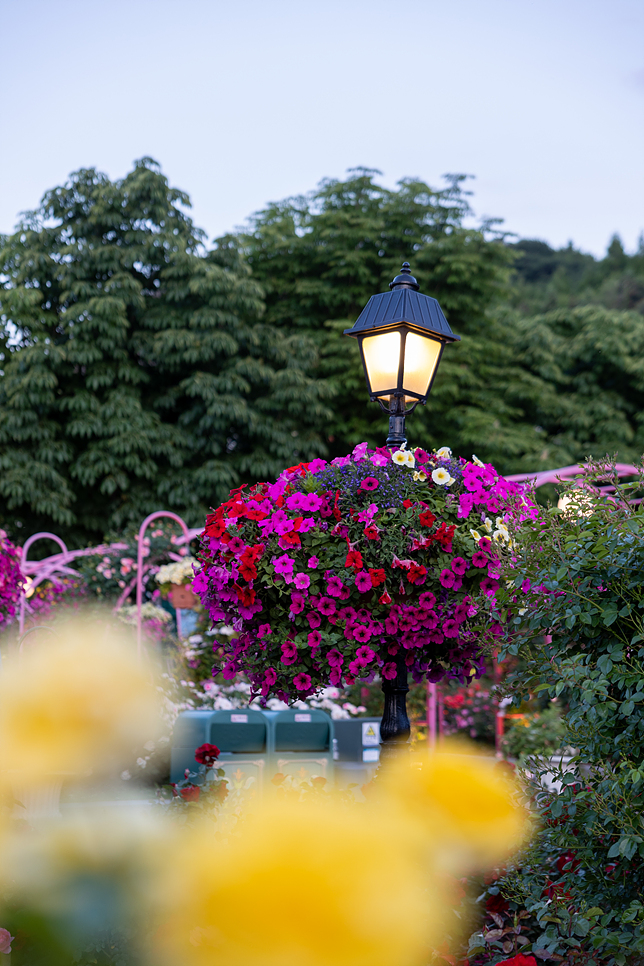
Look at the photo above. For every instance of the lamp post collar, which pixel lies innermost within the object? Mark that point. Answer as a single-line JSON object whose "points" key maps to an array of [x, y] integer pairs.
{"points": [[405, 279]]}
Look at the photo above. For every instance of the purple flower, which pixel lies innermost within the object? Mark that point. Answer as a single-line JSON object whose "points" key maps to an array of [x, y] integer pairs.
{"points": [[450, 628], [479, 559], [447, 578], [459, 566], [334, 586], [236, 545], [314, 620], [361, 633], [302, 681], [314, 638], [365, 656], [335, 677], [363, 581], [427, 599], [334, 658], [289, 653], [302, 581], [389, 671], [312, 563], [326, 606], [347, 614]]}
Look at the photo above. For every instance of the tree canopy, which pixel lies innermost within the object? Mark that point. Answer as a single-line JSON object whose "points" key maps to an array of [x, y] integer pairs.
{"points": [[138, 372]]}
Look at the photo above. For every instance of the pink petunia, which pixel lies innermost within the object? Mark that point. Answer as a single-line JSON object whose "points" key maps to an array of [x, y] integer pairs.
{"points": [[302, 581], [485, 543], [289, 653], [334, 586], [314, 620], [312, 563], [335, 677], [314, 638], [5, 941], [302, 681], [297, 603], [447, 578], [236, 545], [284, 566], [326, 606], [363, 581], [263, 630], [369, 483], [361, 633], [459, 566], [479, 559], [450, 628], [334, 658], [421, 456], [365, 656], [389, 671], [427, 599]]}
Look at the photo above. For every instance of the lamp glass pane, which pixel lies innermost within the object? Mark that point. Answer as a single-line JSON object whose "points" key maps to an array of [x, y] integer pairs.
{"points": [[382, 357], [421, 359]]}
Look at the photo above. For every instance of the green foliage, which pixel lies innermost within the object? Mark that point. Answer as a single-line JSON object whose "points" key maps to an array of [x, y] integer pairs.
{"points": [[536, 734], [585, 636], [137, 371]]}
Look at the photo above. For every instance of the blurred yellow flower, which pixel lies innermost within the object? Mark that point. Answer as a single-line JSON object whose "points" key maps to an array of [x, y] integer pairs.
{"points": [[465, 807], [420, 476], [74, 702], [302, 885]]}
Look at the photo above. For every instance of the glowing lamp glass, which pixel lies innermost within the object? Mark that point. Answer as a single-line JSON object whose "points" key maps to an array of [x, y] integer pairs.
{"points": [[382, 361], [421, 359]]}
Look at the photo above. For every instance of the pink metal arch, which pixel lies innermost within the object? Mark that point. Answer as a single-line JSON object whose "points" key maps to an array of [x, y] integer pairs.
{"points": [[188, 535], [570, 472]]}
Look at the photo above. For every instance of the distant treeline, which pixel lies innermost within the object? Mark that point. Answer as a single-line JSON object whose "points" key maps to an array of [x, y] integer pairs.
{"points": [[146, 369]]}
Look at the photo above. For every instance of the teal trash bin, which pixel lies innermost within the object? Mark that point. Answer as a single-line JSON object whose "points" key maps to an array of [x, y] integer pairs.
{"points": [[191, 729], [302, 744], [243, 738]]}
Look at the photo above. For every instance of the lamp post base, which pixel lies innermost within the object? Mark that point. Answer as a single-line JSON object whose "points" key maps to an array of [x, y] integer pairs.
{"points": [[394, 727], [396, 437]]}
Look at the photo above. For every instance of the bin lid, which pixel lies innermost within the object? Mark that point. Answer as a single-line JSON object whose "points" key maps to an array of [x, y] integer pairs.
{"points": [[300, 731], [238, 731]]}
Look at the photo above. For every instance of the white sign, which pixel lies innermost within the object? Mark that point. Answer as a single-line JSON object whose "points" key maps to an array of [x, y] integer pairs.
{"points": [[302, 717], [370, 733], [371, 754], [239, 719]]}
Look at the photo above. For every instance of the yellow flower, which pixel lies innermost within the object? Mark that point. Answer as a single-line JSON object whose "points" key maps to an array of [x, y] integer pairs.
{"points": [[460, 801], [302, 885], [400, 457], [442, 477], [488, 525], [76, 701], [420, 476], [501, 535], [444, 452], [475, 535]]}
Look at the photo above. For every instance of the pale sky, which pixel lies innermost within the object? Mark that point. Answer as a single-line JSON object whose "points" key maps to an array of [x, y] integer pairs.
{"points": [[250, 101]]}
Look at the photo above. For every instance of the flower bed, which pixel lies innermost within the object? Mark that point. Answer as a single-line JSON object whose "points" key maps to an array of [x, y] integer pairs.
{"points": [[337, 571]]}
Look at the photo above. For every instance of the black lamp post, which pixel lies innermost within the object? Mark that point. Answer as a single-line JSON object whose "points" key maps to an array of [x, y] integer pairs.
{"points": [[401, 335]]}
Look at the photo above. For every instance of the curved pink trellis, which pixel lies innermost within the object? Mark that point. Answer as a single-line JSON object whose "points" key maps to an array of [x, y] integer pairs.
{"points": [[56, 565], [569, 473]]}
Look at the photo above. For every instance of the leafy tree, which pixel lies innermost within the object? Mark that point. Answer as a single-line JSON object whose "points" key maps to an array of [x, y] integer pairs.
{"points": [[320, 257], [138, 372]]}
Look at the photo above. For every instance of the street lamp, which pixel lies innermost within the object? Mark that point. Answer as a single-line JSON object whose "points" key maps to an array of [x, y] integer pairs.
{"points": [[401, 335]]}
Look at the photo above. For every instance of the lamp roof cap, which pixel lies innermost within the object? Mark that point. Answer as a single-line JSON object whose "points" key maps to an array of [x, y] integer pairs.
{"points": [[405, 279]]}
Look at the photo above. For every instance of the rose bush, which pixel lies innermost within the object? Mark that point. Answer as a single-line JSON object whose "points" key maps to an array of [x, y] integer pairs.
{"points": [[341, 570]]}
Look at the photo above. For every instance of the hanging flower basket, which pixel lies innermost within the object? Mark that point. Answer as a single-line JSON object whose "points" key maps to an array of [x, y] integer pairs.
{"points": [[339, 570], [11, 579]]}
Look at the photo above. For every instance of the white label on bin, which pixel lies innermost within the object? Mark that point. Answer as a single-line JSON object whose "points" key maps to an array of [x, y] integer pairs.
{"points": [[239, 719], [302, 717], [336, 753], [371, 754], [370, 733]]}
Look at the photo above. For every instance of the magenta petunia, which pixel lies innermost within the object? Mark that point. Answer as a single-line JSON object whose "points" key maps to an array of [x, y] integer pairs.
{"points": [[389, 671], [297, 603], [479, 559], [289, 653], [314, 620], [284, 566], [361, 633], [450, 628], [302, 581], [263, 630], [369, 483], [312, 563], [314, 638], [334, 586], [363, 581], [447, 578], [236, 545], [459, 566], [365, 655], [302, 681], [326, 606], [334, 658], [485, 543], [427, 599]]}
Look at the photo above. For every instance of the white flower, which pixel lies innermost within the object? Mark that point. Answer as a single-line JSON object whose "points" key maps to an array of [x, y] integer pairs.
{"points": [[180, 572], [488, 525], [444, 452], [399, 457], [499, 536], [142, 762], [476, 460], [149, 746], [420, 476], [125, 775], [523, 610], [475, 535], [442, 477]]}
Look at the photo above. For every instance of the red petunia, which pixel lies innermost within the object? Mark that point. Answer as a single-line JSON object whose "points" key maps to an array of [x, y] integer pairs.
{"points": [[247, 570], [245, 595], [354, 559], [207, 754], [377, 575], [407, 504], [427, 519], [290, 539], [371, 532], [416, 574], [519, 960]]}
